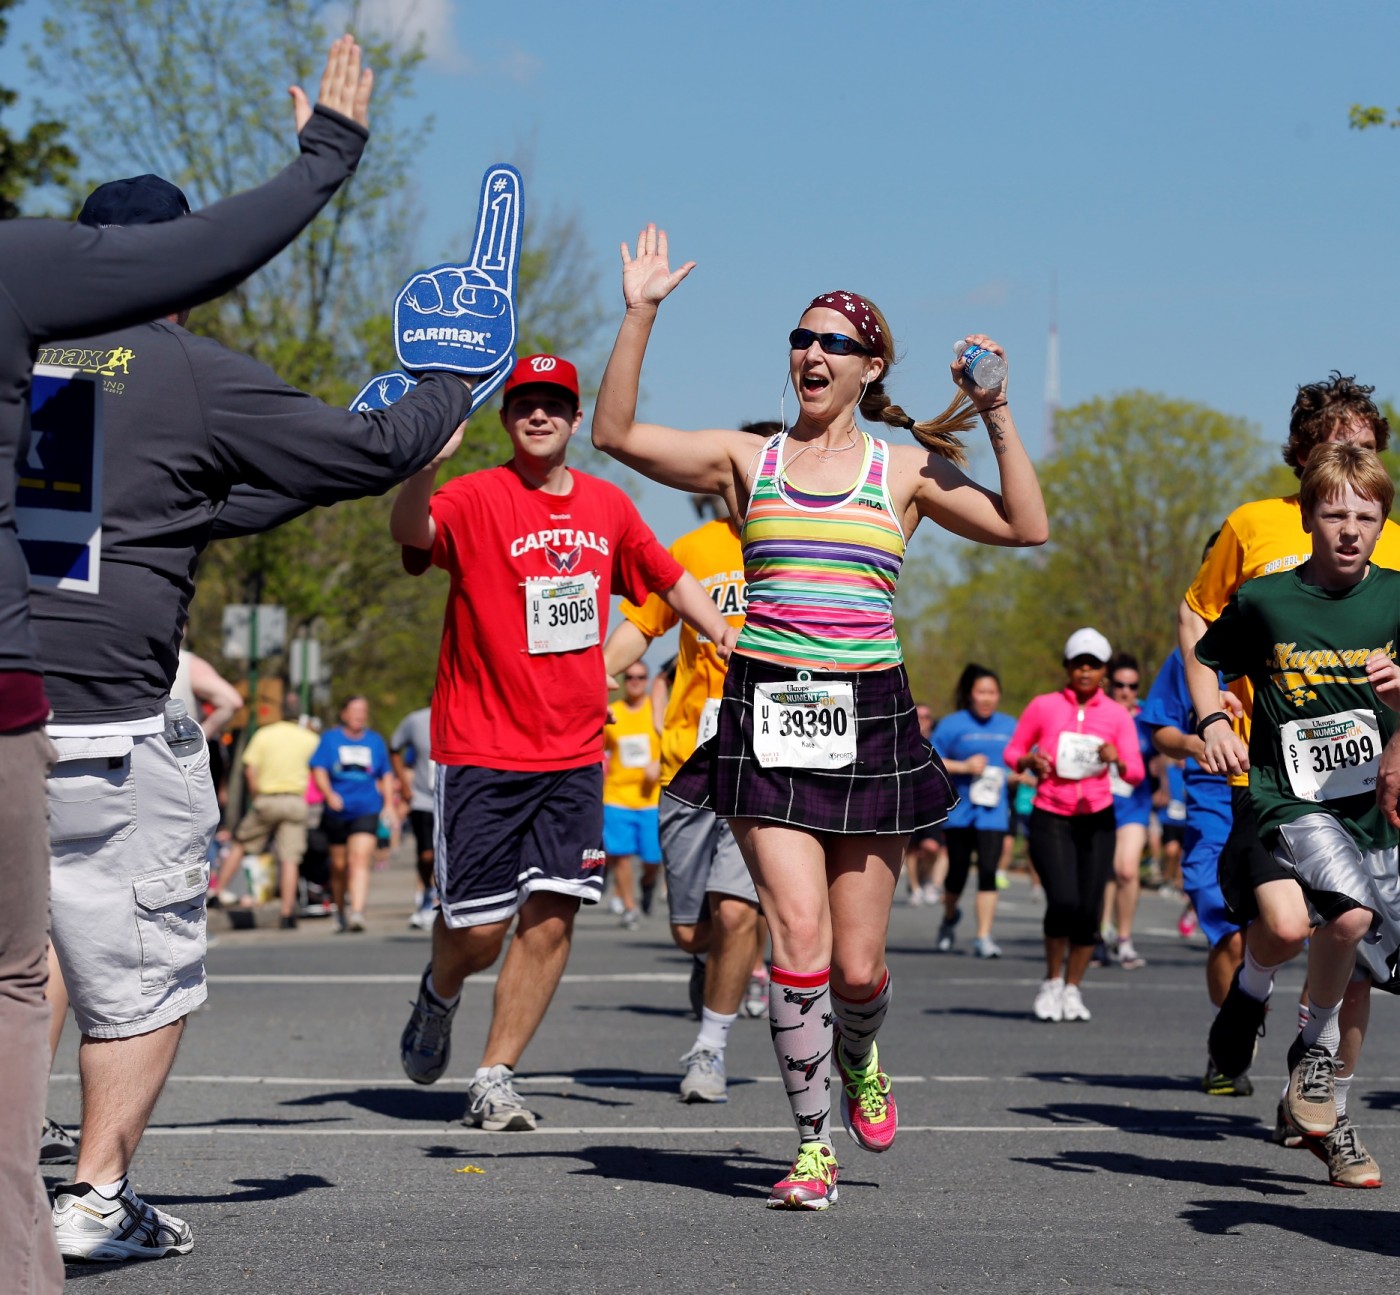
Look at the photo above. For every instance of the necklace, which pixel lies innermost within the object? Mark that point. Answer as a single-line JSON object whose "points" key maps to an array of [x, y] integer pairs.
{"points": [[824, 452]]}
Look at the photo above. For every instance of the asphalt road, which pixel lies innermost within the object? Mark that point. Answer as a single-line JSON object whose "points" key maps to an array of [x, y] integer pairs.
{"points": [[1031, 1157]]}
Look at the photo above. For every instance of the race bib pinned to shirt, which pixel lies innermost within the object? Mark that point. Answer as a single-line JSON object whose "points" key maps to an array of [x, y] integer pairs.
{"points": [[804, 724], [561, 613], [634, 751], [985, 791], [1077, 756], [1332, 757], [709, 721]]}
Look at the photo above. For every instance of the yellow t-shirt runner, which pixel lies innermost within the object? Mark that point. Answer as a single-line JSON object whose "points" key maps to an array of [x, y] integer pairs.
{"points": [[712, 554], [632, 747], [280, 756], [1258, 539]]}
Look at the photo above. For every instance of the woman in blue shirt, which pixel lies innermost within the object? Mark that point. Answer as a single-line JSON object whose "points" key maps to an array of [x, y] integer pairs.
{"points": [[971, 741], [1132, 808], [352, 769]]}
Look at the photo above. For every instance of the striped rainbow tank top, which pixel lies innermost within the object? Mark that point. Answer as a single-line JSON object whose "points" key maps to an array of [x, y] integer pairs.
{"points": [[821, 571]]}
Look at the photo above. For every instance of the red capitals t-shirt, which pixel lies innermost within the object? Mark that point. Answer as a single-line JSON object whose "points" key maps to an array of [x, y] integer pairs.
{"points": [[531, 570]]}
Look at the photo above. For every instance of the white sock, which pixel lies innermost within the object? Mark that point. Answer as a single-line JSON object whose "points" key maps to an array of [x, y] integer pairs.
{"points": [[1324, 1026], [1343, 1087], [110, 1190], [1256, 979], [714, 1030], [484, 1072], [442, 998]]}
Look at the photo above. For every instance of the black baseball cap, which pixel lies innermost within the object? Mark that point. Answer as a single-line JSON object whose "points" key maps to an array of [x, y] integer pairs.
{"points": [[139, 200]]}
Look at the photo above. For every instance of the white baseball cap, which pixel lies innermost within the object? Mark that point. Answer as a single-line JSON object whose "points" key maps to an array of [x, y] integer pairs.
{"points": [[1088, 642]]}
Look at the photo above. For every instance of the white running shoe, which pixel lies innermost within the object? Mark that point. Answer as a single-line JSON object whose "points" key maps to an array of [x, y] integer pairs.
{"points": [[495, 1105], [983, 946], [91, 1228], [426, 912], [1049, 1000], [1072, 1005], [615, 905], [704, 1076]]}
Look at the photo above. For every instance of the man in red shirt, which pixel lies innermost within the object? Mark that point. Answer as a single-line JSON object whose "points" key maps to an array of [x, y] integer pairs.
{"points": [[534, 549]]}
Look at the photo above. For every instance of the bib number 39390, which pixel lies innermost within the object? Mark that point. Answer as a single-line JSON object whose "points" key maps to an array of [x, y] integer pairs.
{"points": [[804, 724], [1332, 757], [561, 613]]}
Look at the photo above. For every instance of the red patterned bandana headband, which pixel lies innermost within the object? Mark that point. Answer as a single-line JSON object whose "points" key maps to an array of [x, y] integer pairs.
{"points": [[859, 312]]}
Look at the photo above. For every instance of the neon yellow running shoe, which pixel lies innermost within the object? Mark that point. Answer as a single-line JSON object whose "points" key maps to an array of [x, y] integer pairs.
{"points": [[811, 1183], [867, 1105]]}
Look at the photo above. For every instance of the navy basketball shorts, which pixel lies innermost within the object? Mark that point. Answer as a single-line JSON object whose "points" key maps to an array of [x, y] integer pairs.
{"points": [[502, 835]]}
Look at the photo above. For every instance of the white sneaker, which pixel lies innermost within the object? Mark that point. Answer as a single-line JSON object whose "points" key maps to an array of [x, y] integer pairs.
{"points": [[1049, 1000], [615, 905], [90, 1227], [495, 1105], [425, 913], [1072, 1005], [704, 1076]]}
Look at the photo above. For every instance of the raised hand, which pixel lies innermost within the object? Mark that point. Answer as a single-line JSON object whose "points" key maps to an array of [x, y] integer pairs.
{"points": [[647, 278], [345, 86], [461, 318]]}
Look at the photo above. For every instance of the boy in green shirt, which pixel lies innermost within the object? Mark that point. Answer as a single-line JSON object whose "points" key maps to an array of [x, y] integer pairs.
{"points": [[1319, 643]]}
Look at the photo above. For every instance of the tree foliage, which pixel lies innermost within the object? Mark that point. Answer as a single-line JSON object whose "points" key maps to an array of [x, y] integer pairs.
{"points": [[1136, 485], [196, 90], [34, 160]]}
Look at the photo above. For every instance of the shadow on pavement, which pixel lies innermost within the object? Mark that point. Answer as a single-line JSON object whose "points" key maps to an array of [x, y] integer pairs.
{"points": [[1344, 1226], [257, 1189], [429, 1105], [1020, 1015], [735, 1172], [1249, 1178], [676, 1012], [1191, 1126]]}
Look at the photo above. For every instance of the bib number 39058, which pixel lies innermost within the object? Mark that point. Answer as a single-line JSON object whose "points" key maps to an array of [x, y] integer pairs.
{"points": [[804, 724], [561, 613], [1332, 757]]}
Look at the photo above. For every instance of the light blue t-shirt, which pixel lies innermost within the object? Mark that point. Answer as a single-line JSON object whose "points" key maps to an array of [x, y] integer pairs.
{"points": [[982, 802]]}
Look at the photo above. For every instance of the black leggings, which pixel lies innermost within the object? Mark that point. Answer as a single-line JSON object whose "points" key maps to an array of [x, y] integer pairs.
{"points": [[1073, 854], [963, 843]]}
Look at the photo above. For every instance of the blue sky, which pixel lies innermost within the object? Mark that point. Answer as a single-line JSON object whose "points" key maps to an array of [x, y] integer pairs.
{"points": [[1183, 172]]}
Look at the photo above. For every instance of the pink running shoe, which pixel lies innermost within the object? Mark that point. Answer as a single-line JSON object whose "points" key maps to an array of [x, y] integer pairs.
{"points": [[1187, 924], [867, 1105], [810, 1184]]}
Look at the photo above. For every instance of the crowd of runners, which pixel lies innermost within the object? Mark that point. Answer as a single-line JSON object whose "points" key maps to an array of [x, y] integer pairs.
{"points": [[781, 781]]}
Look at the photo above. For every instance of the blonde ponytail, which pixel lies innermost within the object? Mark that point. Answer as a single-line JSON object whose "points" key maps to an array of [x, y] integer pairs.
{"points": [[937, 435]]}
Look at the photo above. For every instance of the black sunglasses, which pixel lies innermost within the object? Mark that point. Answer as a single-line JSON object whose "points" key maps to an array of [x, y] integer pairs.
{"points": [[1092, 662], [1123, 683], [634, 676], [832, 343]]}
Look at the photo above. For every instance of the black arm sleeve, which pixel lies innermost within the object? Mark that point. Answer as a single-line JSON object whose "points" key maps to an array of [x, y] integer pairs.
{"points": [[290, 451], [68, 280]]}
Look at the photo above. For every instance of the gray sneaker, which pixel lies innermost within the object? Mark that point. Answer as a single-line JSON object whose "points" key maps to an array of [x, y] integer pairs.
{"points": [[56, 1145], [426, 1042], [704, 1076], [983, 946], [495, 1105], [92, 1228], [1311, 1100]]}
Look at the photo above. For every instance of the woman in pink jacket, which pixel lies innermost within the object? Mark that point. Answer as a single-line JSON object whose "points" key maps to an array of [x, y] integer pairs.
{"points": [[1069, 739]]}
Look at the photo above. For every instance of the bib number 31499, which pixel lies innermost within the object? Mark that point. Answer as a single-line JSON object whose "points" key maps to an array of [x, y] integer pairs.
{"points": [[804, 724], [561, 613], [1332, 757]]}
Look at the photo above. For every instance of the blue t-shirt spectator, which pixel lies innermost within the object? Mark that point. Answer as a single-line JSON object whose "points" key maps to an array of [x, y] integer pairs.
{"points": [[355, 765], [982, 801]]}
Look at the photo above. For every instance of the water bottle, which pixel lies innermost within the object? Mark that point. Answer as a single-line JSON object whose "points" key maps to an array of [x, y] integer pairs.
{"points": [[987, 368], [185, 737]]}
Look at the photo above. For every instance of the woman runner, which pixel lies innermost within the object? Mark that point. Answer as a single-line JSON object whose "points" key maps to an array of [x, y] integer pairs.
{"points": [[818, 763]]}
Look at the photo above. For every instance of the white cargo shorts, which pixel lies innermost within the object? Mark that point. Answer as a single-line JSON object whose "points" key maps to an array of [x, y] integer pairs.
{"points": [[129, 833]]}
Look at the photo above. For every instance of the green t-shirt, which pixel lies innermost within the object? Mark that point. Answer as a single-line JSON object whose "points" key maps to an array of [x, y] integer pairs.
{"points": [[1318, 724]]}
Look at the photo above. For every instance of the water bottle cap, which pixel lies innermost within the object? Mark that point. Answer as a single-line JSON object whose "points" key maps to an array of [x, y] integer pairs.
{"points": [[175, 708]]}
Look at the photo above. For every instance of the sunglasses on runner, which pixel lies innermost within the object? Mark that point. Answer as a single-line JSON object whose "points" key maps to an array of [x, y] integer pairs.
{"points": [[1091, 662], [831, 343], [1124, 683]]}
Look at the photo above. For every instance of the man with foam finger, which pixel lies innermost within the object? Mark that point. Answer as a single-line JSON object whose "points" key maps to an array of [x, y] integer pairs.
{"points": [[533, 549]]}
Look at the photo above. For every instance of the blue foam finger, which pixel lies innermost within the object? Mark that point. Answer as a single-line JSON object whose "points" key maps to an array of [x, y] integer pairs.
{"points": [[381, 391], [461, 317]]}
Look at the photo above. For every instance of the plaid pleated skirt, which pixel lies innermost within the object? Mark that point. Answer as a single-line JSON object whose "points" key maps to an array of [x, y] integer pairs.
{"points": [[895, 785]]}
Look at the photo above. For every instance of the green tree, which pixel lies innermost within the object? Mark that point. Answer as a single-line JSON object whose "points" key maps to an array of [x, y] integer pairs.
{"points": [[1136, 485], [33, 160]]}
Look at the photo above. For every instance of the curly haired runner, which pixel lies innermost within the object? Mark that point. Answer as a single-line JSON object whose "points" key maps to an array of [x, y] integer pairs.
{"points": [[818, 763]]}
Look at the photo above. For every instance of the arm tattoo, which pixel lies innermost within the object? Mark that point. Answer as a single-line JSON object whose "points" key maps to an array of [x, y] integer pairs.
{"points": [[997, 434]]}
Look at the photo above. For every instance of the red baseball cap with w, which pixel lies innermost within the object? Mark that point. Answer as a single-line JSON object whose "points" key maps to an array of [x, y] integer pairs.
{"points": [[542, 371]]}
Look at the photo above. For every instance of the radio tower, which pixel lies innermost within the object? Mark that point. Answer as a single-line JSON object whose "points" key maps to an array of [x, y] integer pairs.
{"points": [[1052, 377]]}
